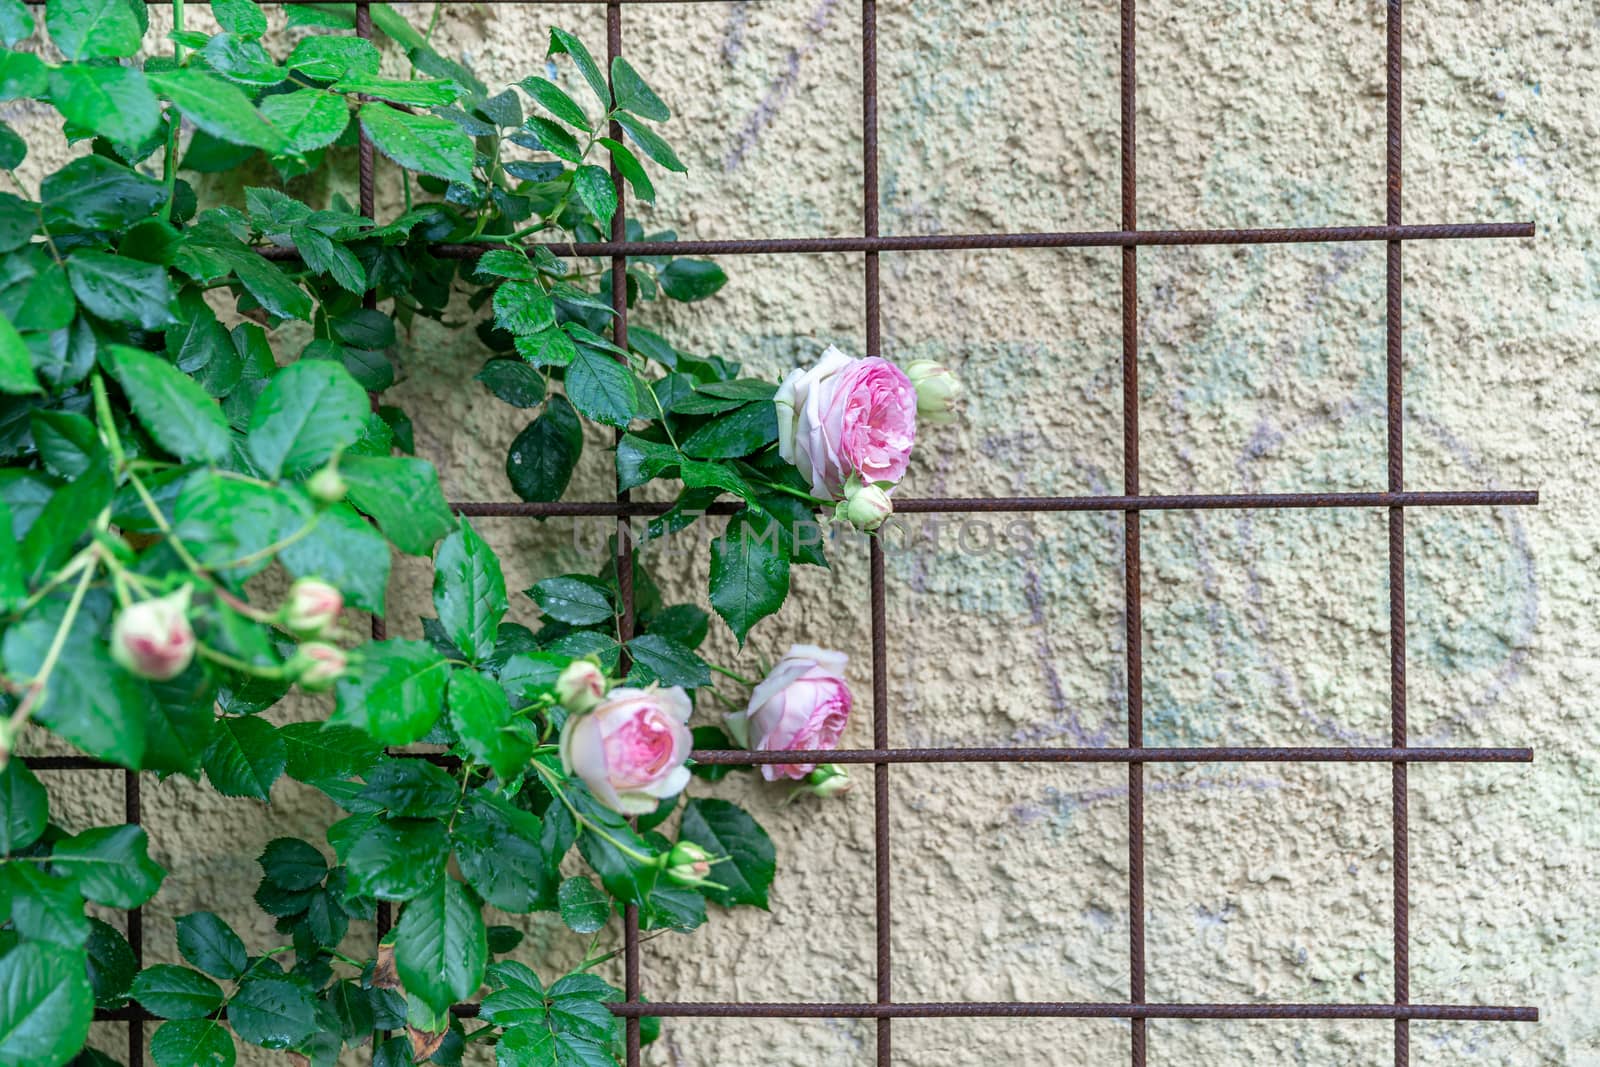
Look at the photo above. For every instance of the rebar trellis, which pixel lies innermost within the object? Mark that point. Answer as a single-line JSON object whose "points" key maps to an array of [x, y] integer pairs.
{"points": [[1399, 754]]}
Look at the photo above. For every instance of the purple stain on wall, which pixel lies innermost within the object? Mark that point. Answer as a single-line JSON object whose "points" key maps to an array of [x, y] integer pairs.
{"points": [[779, 89]]}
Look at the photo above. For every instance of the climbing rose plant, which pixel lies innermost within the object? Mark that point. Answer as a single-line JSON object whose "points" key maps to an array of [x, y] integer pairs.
{"points": [[198, 485]]}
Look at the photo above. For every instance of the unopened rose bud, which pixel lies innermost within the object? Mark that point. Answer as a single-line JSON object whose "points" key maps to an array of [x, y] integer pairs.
{"points": [[317, 665], [688, 864], [153, 638], [313, 607], [581, 686], [937, 390], [327, 486], [828, 780], [866, 507]]}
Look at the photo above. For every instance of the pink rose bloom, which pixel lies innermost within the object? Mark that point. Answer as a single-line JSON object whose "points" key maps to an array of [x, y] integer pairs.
{"points": [[847, 417], [803, 704], [631, 748]]}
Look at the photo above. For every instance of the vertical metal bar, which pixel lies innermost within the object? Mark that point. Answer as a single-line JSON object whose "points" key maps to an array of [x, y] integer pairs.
{"points": [[880, 669], [131, 813], [1397, 544], [624, 557], [1133, 612]]}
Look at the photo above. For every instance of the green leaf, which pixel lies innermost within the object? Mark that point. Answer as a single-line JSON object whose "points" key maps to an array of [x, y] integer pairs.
{"points": [[418, 93], [629, 167], [583, 907], [46, 1005], [24, 807], [547, 348], [174, 992], [217, 107], [742, 432], [749, 572], [275, 1013], [552, 137], [500, 850], [398, 859], [651, 142], [725, 829], [114, 102], [192, 1043], [308, 119], [469, 592], [111, 964], [171, 406], [22, 74], [13, 149], [506, 263], [68, 444], [292, 864], [245, 757], [623, 876], [118, 289], [345, 551], [739, 389], [691, 279], [555, 100], [510, 380], [328, 58], [562, 42], [208, 943], [242, 61], [308, 411], [324, 255], [403, 496], [597, 193], [601, 388], [43, 907], [96, 29], [640, 460], [575, 599], [318, 751], [15, 22], [440, 946], [395, 691], [634, 95], [523, 308], [541, 459], [684, 624], [481, 716], [16, 364], [419, 142], [222, 520], [95, 193], [242, 17], [668, 661]]}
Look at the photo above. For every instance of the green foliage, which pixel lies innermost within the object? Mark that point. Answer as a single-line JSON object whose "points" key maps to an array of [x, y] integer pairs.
{"points": [[186, 420]]}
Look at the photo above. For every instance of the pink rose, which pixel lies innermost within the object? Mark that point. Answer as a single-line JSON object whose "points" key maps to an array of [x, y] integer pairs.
{"points": [[630, 749], [153, 638], [803, 704], [847, 417]]}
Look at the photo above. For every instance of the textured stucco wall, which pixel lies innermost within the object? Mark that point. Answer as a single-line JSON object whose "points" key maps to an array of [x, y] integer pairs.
{"points": [[1261, 370]]}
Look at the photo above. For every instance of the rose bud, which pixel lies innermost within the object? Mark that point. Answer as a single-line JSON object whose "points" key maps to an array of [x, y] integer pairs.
{"points": [[313, 607], [937, 390], [687, 864], [580, 686], [866, 507], [828, 780], [846, 417], [326, 486], [153, 638], [630, 749], [317, 665], [803, 704]]}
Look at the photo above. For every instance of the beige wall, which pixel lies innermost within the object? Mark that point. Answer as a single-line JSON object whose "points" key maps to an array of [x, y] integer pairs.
{"points": [[1262, 370]]}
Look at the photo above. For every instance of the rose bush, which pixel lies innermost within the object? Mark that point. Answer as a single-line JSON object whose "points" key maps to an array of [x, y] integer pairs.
{"points": [[200, 483]]}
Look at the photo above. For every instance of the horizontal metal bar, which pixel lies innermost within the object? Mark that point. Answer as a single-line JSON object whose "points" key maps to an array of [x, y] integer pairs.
{"points": [[947, 242], [1072, 1010], [719, 757], [941, 505]]}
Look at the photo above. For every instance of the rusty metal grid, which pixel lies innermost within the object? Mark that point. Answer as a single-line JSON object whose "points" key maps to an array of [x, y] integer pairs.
{"points": [[1131, 503]]}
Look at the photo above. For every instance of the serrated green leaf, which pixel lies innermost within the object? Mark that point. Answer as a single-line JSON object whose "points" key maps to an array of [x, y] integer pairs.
{"points": [[308, 411], [562, 42], [481, 715], [548, 348], [275, 1013], [96, 29], [742, 432], [423, 93], [555, 100], [669, 662], [345, 551], [245, 757], [523, 308], [513, 381], [575, 599], [692, 279], [583, 907], [171, 406], [749, 572], [308, 119], [16, 363], [218, 108], [629, 167], [440, 947], [553, 138], [24, 807], [725, 829], [397, 859], [395, 691], [597, 193], [541, 459], [501, 852], [328, 58], [651, 142], [192, 1043], [634, 95], [403, 495], [174, 992], [114, 102], [119, 289], [601, 388], [46, 1004], [319, 751], [211, 945], [419, 142]]}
